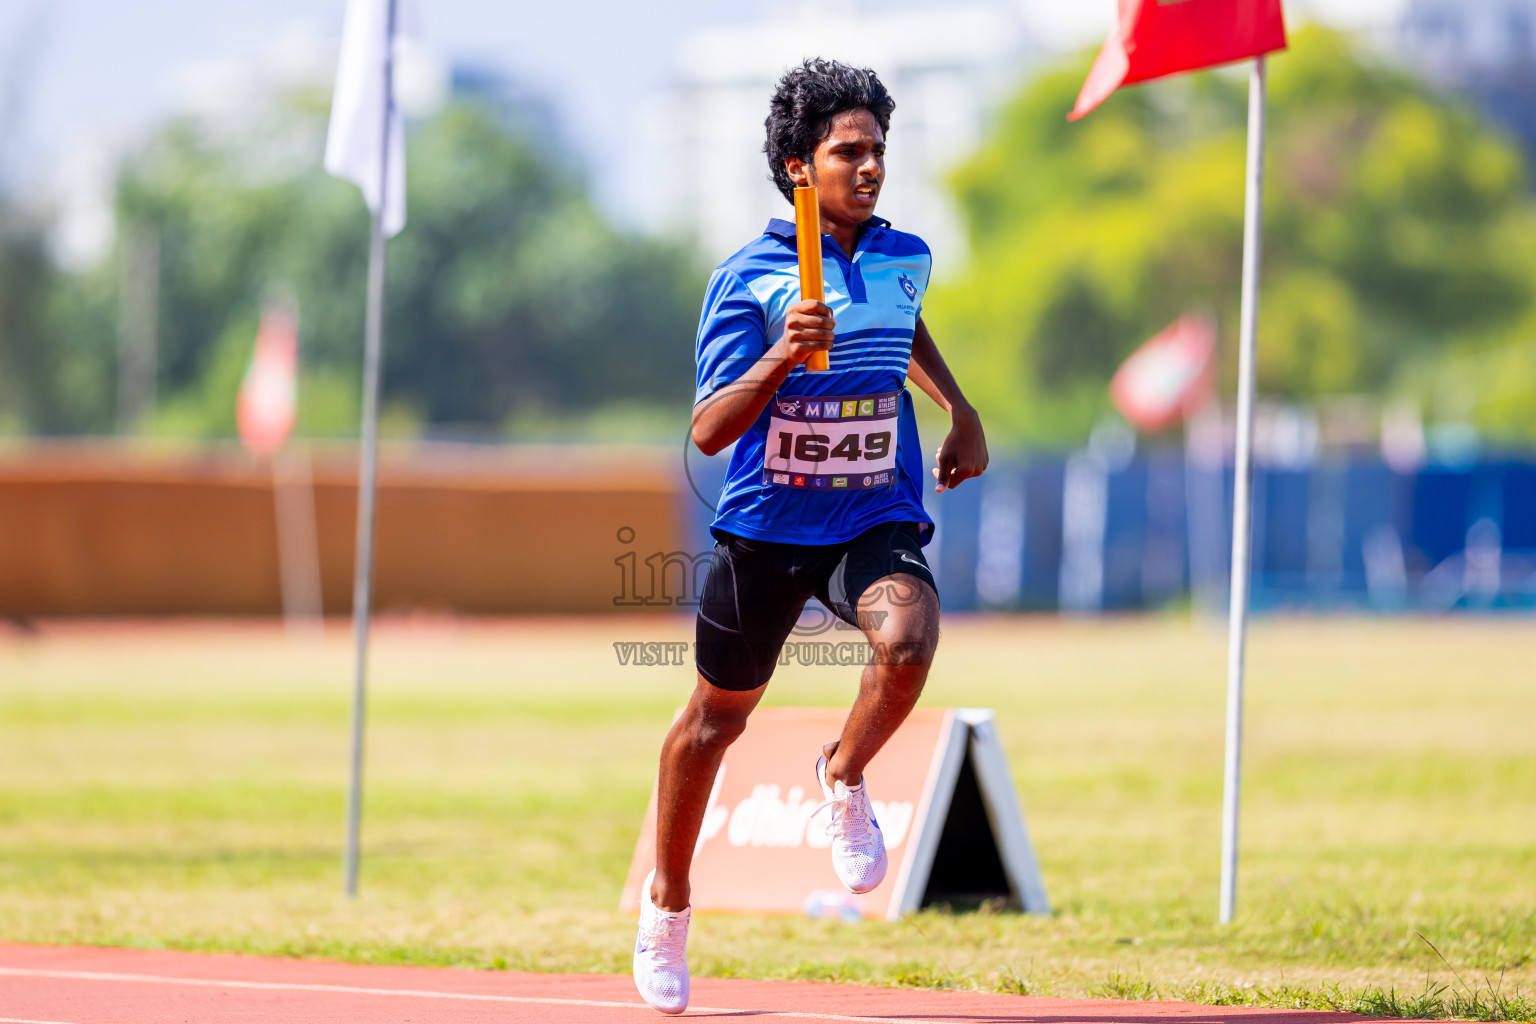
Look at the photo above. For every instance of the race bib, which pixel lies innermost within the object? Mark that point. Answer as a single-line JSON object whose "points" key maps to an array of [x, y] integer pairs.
{"points": [[832, 443]]}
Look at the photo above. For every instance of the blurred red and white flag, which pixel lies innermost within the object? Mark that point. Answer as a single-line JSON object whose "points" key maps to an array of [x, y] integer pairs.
{"points": [[371, 36], [1153, 38], [268, 401], [1169, 377]]}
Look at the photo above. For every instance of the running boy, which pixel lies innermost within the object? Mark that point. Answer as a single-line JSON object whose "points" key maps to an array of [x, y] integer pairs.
{"points": [[822, 498]]}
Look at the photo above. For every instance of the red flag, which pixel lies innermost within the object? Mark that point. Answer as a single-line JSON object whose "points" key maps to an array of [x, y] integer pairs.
{"points": [[268, 401], [1169, 377], [1163, 37]]}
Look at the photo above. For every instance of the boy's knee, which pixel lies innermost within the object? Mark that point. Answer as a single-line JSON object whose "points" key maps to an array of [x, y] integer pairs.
{"points": [[905, 654], [911, 640], [715, 728]]}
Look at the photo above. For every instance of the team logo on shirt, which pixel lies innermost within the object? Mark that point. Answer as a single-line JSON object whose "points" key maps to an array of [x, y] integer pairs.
{"points": [[908, 287]]}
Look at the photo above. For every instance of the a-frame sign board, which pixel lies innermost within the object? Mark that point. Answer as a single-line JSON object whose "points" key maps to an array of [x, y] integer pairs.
{"points": [[943, 795]]}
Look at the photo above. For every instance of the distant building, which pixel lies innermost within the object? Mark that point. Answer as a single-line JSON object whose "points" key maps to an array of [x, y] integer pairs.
{"points": [[946, 68], [1484, 48], [523, 108]]}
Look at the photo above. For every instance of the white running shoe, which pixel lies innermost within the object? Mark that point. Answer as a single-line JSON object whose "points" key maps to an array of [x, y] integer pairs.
{"points": [[858, 848], [661, 954]]}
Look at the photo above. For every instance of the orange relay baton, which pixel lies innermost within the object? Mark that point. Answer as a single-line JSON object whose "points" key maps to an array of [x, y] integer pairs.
{"points": [[808, 244]]}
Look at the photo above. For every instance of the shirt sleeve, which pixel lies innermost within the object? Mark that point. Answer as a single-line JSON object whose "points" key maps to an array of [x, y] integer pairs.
{"points": [[733, 333], [927, 280]]}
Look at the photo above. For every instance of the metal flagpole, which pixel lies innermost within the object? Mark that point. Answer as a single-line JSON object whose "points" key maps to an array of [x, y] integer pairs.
{"points": [[362, 579], [1242, 491]]}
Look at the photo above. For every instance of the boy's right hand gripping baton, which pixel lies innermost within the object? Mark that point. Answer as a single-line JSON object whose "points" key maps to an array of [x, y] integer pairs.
{"points": [[808, 244]]}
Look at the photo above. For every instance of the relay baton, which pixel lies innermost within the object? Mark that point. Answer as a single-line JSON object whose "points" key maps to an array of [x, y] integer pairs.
{"points": [[808, 243]]}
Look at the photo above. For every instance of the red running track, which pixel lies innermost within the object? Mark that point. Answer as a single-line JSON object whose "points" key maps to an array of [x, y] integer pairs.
{"points": [[81, 985]]}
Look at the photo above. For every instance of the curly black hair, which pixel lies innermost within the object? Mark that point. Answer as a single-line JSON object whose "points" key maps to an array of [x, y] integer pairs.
{"points": [[807, 99]]}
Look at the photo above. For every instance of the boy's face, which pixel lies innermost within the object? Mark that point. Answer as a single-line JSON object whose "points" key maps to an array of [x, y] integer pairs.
{"points": [[847, 168]]}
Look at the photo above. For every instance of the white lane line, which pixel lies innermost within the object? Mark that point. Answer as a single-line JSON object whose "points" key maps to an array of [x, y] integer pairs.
{"points": [[410, 993], [23, 1020]]}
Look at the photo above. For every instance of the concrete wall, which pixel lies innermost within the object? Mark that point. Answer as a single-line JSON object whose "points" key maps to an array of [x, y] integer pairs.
{"points": [[101, 530]]}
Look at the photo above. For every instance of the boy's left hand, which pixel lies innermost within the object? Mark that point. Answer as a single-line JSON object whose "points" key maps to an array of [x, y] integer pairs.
{"points": [[964, 452]]}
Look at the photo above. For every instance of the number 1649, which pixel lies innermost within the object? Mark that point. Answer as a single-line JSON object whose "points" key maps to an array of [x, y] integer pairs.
{"points": [[816, 447]]}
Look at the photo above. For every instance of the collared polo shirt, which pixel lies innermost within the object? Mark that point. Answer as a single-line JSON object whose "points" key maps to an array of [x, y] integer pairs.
{"points": [[876, 298]]}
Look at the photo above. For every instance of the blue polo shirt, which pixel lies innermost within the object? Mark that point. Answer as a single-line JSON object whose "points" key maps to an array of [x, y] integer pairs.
{"points": [[876, 298]]}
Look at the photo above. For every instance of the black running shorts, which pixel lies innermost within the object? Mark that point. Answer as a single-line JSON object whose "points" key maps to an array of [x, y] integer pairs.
{"points": [[756, 589]]}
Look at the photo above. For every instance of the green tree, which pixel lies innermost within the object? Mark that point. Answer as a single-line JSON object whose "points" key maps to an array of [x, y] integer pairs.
{"points": [[1398, 228], [509, 295], [56, 355]]}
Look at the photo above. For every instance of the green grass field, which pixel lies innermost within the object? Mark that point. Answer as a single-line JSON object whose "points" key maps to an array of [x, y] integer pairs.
{"points": [[181, 785]]}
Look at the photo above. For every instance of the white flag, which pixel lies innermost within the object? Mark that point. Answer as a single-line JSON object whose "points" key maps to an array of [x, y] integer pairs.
{"points": [[370, 36]]}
